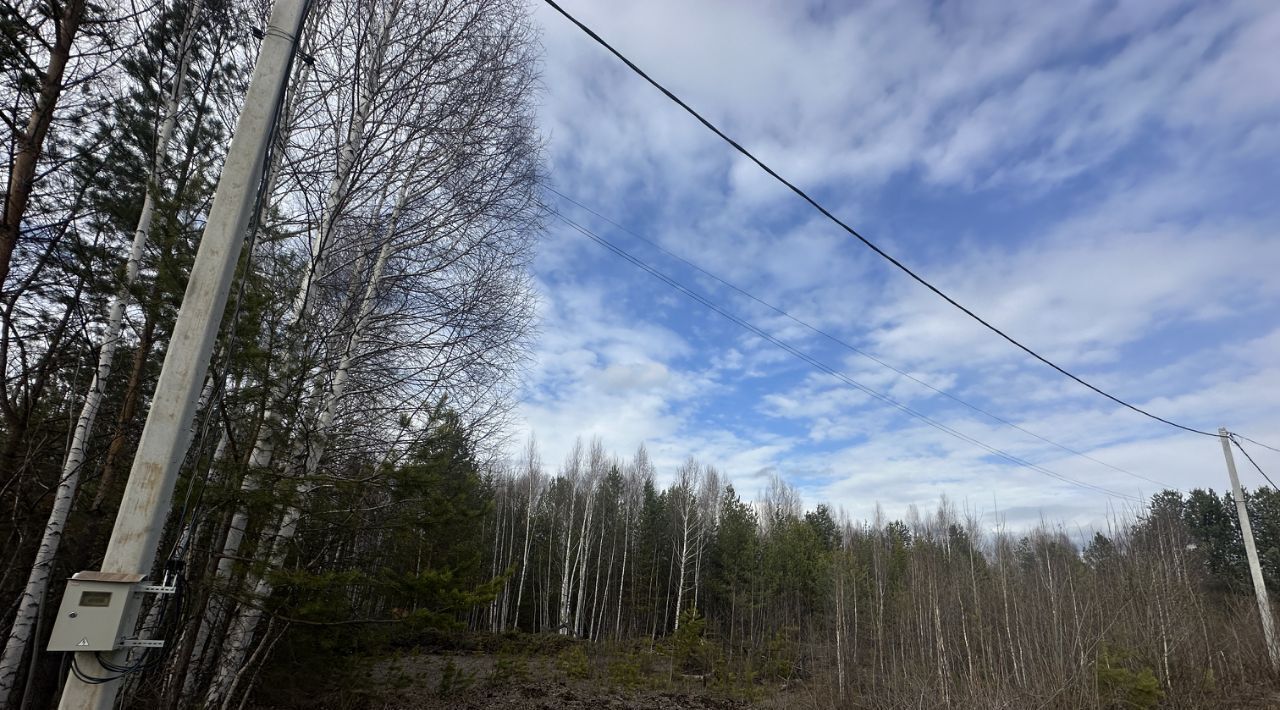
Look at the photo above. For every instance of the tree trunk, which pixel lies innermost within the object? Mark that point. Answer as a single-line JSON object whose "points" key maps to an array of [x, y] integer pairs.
{"points": [[599, 623], [584, 557], [622, 576], [524, 559], [595, 592], [247, 619], [69, 479], [29, 143], [128, 408], [565, 578], [263, 451], [493, 567], [684, 555], [839, 635]]}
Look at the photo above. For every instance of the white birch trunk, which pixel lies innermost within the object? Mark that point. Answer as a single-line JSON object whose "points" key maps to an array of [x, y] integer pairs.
{"points": [[595, 591], [622, 577], [839, 635], [20, 634], [263, 451], [493, 567], [524, 561], [264, 445], [549, 579], [509, 558], [697, 567], [689, 473], [203, 630], [565, 578], [584, 554], [240, 635], [684, 559], [598, 628]]}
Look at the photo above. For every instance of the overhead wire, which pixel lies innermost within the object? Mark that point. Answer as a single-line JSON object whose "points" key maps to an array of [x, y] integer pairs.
{"points": [[855, 233], [823, 367], [1259, 443], [1235, 439], [849, 346]]}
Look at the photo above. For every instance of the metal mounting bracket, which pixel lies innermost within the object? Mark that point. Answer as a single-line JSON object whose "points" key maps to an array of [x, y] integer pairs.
{"points": [[142, 643]]}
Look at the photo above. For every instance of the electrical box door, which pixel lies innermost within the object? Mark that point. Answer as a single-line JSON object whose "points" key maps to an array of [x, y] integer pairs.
{"points": [[98, 609]]}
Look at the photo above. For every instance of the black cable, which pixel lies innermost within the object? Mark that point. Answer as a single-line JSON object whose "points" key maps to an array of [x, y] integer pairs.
{"points": [[853, 232], [636, 261], [150, 657], [853, 348], [1236, 441], [63, 667], [120, 671], [86, 677], [146, 661], [1259, 443]]}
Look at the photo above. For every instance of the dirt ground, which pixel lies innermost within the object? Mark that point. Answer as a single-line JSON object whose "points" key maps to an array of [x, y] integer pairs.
{"points": [[438, 681], [577, 677], [543, 696]]}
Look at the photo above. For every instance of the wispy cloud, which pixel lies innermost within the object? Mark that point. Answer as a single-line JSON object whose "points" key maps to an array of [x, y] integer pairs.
{"points": [[1092, 177]]}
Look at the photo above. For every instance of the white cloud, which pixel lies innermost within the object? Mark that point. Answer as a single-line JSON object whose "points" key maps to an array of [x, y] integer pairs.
{"points": [[1101, 155]]}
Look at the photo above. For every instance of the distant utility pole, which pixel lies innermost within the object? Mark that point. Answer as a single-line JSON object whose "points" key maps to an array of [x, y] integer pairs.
{"points": [[1251, 551], [167, 432]]}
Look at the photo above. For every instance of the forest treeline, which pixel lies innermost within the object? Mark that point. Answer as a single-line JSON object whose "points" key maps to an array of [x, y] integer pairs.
{"points": [[1156, 609], [755, 594]]}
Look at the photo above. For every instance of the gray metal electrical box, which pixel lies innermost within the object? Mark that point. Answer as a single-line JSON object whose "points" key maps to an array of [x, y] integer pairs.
{"points": [[98, 610]]}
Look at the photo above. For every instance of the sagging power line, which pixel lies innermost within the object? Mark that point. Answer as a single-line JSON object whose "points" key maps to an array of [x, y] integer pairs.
{"points": [[1259, 443], [849, 346], [855, 233], [823, 367], [1235, 439]]}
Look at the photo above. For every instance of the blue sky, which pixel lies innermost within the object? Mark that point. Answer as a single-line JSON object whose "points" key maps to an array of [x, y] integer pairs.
{"points": [[1098, 179]]}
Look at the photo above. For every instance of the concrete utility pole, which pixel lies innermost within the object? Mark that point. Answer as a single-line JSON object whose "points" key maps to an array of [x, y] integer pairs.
{"points": [[1251, 551], [167, 432]]}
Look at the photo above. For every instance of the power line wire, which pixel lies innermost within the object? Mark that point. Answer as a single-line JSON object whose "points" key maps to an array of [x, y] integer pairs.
{"points": [[817, 364], [1259, 443], [853, 348], [1236, 441], [853, 232]]}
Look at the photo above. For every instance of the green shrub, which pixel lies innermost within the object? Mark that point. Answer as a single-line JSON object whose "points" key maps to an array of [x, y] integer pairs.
{"points": [[573, 662], [626, 671], [1121, 686], [690, 651], [779, 658], [737, 682], [453, 680], [510, 666]]}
